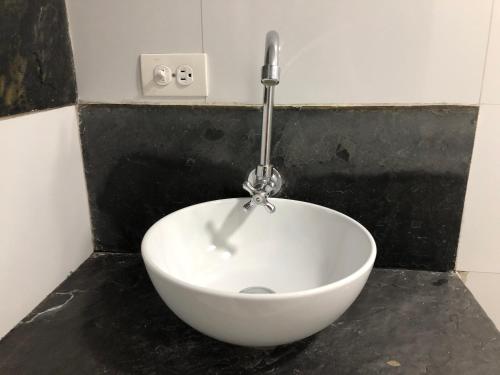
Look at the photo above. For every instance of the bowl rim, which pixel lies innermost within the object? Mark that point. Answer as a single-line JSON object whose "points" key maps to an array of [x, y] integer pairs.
{"points": [[365, 267]]}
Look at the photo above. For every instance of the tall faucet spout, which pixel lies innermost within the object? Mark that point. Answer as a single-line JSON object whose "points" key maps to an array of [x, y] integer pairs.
{"points": [[270, 77], [265, 181]]}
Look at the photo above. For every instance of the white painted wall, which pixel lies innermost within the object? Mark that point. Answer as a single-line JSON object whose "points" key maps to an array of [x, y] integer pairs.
{"points": [[479, 245], [479, 248], [44, 216], [491, 87], [349, 51], [333, 52], [485, 286], [109, 35]]}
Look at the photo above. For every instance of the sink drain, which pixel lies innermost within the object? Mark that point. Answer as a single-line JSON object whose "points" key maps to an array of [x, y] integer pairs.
{"points": [[257, 290]]}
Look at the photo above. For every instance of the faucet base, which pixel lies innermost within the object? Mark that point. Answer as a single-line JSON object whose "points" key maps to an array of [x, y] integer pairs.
{"points": [[266, 177]]}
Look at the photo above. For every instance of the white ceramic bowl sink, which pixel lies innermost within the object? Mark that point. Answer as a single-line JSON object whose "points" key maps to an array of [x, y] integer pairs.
{"points": [[315, 259]]}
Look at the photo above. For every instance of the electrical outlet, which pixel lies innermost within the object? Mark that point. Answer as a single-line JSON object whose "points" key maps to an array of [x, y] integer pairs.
{"points": [[182, 75]]}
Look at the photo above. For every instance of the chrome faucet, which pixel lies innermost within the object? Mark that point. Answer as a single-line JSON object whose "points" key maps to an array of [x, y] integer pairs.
{"points": [[265, 181]]}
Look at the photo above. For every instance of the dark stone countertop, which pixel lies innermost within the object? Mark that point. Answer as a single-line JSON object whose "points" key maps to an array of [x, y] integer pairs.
{"points": [[106, 318]]}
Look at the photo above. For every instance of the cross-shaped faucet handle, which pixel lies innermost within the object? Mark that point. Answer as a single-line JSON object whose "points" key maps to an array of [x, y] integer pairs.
{"points": [[259, 198]]}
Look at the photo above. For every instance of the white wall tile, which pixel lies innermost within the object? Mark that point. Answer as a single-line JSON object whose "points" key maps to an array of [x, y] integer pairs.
{"points": [[491, 86], [44, 216], [484, 287], [479, 247], [109, 35], [349, 51]]}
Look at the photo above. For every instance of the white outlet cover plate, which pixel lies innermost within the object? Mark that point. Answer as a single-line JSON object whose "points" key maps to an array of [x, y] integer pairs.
{"points": [[198, 61]]}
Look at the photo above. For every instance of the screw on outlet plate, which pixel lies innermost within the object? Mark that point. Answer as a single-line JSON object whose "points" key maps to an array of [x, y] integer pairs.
{"points": [[162, 75], [184, 75]]}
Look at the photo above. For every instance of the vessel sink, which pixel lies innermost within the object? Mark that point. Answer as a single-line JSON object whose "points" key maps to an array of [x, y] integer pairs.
{"points": [[257, 279]]}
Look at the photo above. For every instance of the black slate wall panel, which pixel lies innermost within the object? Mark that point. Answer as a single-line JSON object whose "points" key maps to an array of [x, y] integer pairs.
{"points": [[400, 171], [36, 62]]}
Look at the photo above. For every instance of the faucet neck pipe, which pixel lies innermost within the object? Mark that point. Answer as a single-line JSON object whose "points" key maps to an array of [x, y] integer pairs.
{"points": [[267, 122]]}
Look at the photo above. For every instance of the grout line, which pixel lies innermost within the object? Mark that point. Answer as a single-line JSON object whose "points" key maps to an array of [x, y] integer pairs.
{"points": [[291, 105], [201, 22], [203, 45], [486, 52], [483, 272]]}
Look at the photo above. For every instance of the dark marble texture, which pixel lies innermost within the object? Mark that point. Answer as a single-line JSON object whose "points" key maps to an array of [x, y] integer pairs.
{"points": [[107, 319], [36, 62], [400, 171]]}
